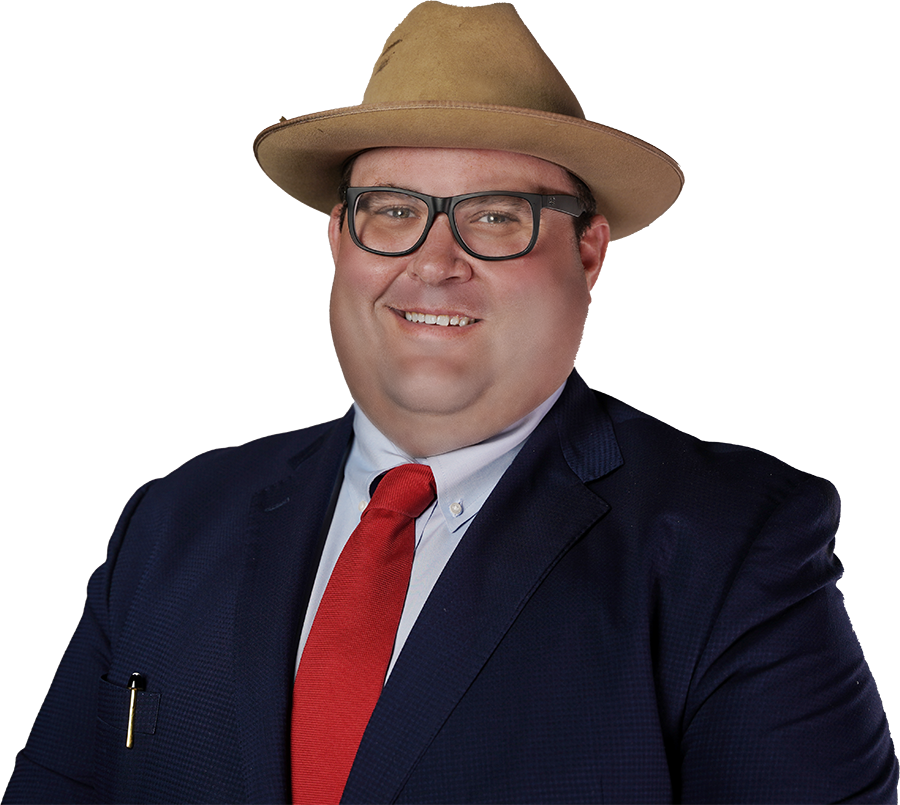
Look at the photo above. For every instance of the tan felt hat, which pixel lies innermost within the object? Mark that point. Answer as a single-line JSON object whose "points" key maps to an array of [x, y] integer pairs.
{"points": [[453, 77]]}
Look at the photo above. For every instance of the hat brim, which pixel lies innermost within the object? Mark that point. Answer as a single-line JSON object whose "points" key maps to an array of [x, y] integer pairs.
{"points": [[633, 182]]}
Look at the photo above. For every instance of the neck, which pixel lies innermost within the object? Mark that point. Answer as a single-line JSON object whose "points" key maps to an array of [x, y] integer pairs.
{"points": [[421, 435]]}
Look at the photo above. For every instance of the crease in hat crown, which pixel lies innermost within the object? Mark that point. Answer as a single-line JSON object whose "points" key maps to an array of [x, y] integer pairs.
{"points": [[452, 53], [471, 77]]}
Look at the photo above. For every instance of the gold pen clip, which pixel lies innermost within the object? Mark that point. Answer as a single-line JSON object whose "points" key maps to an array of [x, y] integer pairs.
{"points": [[136, 683]]}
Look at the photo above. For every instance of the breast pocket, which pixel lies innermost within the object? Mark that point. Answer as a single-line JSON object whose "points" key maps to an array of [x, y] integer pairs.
{"points": [[114, 707], [126, 773]]}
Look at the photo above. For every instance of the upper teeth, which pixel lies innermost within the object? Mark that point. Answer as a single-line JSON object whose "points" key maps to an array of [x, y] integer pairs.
{"points": [[443, 320]]}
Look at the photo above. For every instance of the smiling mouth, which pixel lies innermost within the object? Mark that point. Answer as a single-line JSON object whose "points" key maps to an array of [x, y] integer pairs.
{"points": [[440, 319]]}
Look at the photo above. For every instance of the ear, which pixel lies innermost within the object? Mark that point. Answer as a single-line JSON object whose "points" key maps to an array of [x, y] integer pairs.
{"points": [[334, 231], [592, 248]]}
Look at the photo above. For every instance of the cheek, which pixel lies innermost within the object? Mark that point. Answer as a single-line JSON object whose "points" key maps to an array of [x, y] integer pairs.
{"points": [[349, 281], [364, 276], [359, 284], [346, 309], [339, 308], [356, 287], [557, 303]]}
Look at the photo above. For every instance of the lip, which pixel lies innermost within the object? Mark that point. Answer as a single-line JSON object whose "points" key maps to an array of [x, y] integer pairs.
{"points": [[421, 329], [401, 312]]}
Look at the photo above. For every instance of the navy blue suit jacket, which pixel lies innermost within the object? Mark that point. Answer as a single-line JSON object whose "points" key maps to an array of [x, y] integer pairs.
{"points": [[634, 616]]}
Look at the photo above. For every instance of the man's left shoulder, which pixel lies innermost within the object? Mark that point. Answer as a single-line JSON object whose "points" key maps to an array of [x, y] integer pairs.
{"points": [[670, 470], [658, 445]]}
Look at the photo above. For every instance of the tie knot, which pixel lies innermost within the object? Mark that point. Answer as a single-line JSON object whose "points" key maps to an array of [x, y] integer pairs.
{"points": [[408, 489]]}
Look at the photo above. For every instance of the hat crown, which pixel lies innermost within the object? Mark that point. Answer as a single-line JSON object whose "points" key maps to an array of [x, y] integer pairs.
{"points": [[482, 55]]}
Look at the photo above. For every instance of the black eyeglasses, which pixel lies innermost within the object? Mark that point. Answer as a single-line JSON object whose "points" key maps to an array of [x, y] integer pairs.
{"points": [[491, 225]]}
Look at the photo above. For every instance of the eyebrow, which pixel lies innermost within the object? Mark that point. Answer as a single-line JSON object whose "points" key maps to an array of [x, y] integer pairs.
{"points": [[542, 190]]}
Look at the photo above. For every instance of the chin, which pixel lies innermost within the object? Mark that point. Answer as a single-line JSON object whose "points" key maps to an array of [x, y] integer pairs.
{"points": [[432, 397]]}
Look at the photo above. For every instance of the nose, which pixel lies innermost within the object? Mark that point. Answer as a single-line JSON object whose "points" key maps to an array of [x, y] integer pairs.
{"points": [[440, 258]]}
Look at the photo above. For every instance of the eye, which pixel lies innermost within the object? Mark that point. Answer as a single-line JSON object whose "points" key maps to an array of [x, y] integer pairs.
{"points": [[493, 218], [397, 213], [388, 206], [494, 212]]}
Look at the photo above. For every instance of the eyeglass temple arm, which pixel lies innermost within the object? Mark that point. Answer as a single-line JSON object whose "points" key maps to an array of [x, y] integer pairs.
{"points": [[567, 204]]}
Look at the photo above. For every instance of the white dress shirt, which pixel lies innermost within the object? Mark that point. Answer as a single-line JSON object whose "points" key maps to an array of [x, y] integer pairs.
{"points": [[464, 478]]}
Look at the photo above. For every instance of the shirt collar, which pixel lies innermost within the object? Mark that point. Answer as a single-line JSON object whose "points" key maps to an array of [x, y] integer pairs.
{"points": [[464, 477]]}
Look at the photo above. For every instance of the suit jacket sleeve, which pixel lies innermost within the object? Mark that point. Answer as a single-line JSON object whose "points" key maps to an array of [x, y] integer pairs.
{"points": [[57, 762], [782, 704]]}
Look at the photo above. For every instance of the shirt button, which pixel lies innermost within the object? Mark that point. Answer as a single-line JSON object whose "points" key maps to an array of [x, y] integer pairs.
{"points": [[456, 508], [362, 505]]}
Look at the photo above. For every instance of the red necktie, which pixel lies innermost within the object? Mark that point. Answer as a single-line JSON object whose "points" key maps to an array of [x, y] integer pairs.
{"points": [[346, 656]]}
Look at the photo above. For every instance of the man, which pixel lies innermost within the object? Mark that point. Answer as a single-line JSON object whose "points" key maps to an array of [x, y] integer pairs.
{"points": [[600, 608]]}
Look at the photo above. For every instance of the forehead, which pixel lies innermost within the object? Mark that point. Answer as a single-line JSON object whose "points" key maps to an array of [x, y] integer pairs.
{"points": [[453, 171]]}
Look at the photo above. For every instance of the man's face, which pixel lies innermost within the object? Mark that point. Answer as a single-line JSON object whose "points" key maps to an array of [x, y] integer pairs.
{"points": [[435, 387]]}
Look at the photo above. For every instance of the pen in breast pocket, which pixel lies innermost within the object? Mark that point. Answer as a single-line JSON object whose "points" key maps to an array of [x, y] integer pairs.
{"points": [[136, 683]]}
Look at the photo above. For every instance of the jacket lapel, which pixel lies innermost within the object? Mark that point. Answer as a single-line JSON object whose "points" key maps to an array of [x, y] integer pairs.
{"points": [[538, 510], [288, 521]]}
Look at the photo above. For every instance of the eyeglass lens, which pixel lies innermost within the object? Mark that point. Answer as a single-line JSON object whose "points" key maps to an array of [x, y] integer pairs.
{"points": [[491, 226]]}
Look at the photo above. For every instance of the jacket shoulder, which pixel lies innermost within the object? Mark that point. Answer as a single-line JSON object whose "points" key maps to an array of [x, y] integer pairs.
{"points": [[249, 467], [673, 460], [204, 504]]}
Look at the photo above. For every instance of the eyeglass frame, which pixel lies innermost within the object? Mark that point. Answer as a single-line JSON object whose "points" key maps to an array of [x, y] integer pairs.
{"points": [[570, 205]]}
